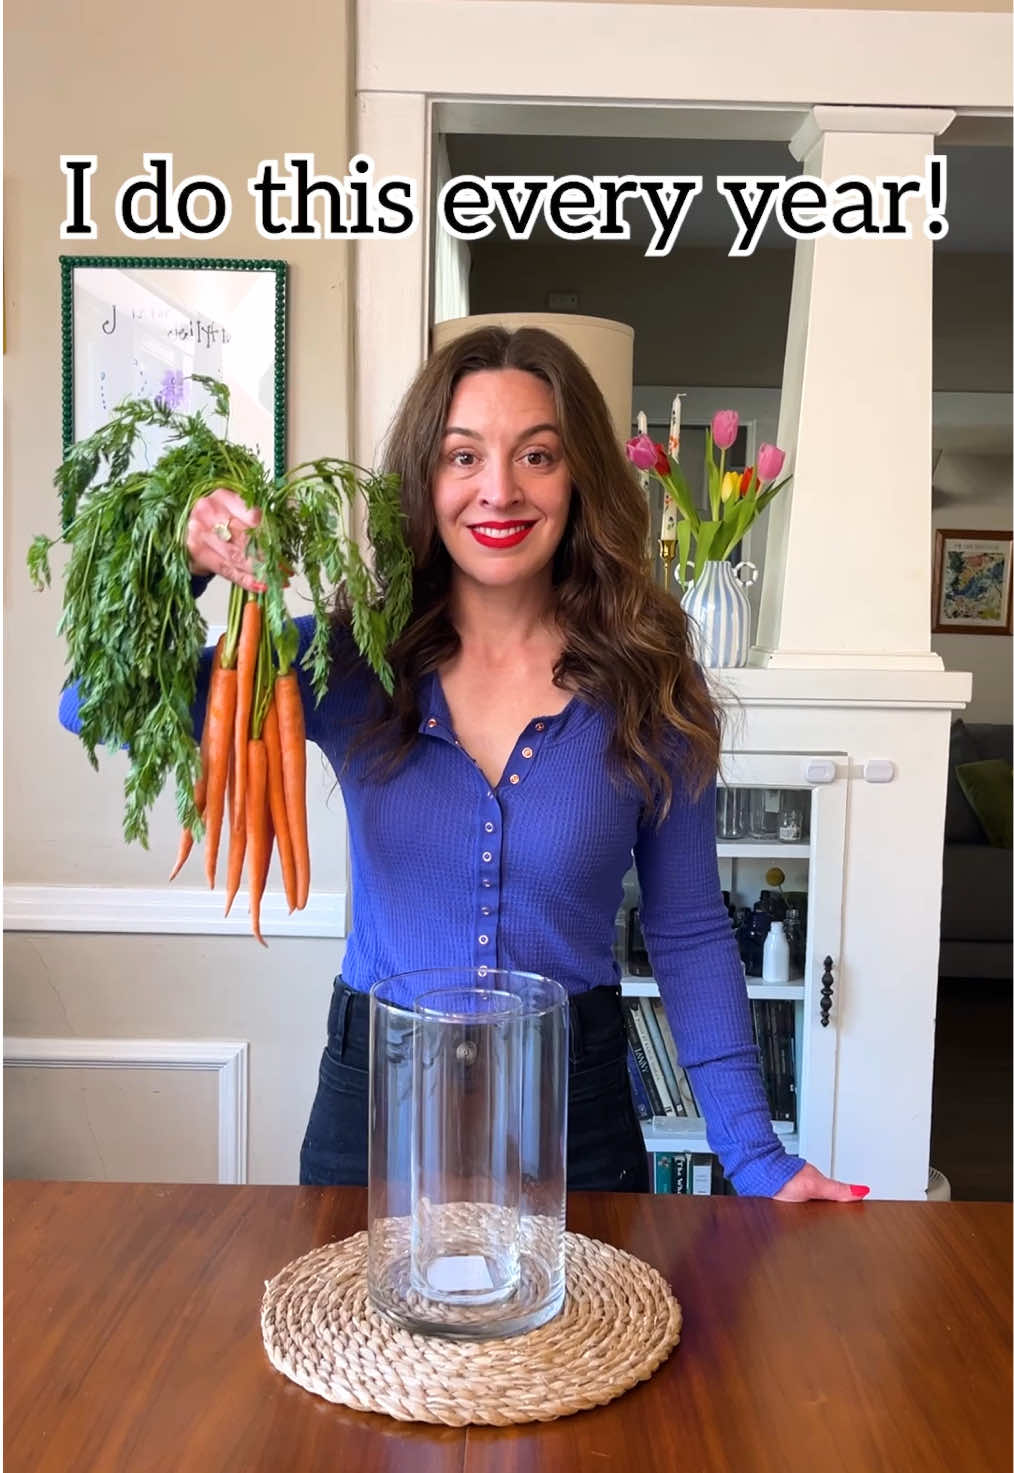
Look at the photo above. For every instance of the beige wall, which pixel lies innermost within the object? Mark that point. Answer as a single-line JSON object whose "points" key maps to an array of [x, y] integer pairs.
{"points": [[220, 93], [700, 317], [997, 6], [221, 86]]}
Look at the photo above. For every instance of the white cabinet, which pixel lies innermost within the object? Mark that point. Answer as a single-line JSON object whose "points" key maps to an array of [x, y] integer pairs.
{"points": [[813, 864]]}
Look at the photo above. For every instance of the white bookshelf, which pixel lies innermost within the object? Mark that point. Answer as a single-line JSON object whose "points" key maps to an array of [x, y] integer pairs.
{"points": [[822, 856], [760, 849], [786, 991], [666, 1134]]}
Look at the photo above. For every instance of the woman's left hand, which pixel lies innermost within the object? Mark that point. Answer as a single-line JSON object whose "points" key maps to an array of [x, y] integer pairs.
{"points": [[809, 1185]]}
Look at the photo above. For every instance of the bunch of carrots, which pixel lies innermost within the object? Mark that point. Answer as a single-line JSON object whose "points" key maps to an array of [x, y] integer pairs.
{"points": [[253, 753], [135, 635]]}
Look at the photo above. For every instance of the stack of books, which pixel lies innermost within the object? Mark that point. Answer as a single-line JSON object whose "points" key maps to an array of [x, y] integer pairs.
{"points": [[774, 1026], [690, 1173], [660, 1086]]}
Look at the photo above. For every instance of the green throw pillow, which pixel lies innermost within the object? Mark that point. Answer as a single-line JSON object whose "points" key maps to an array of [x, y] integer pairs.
{"points": [[987, 786]]}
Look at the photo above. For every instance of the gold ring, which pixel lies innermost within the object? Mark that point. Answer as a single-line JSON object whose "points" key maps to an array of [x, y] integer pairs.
{"points": [[221, 529]]}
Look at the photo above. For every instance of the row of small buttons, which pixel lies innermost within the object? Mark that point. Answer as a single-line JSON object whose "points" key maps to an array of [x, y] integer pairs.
{"points": [[487, 953], [514, 778], [489, 827], [486, 958]]}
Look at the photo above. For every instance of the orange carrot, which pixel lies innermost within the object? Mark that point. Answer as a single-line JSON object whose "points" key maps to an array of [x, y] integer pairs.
{"points": [[292, 735], [220, 720], [269, 829], [186, 842], [276, 801], [201, 785], [237, 844], [246, 669], [258, 840]]}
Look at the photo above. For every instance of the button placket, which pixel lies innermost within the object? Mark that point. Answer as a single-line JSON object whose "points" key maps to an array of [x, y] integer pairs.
{"points": [[487, 909], [491, 833], [522, 759], [486, 912]]}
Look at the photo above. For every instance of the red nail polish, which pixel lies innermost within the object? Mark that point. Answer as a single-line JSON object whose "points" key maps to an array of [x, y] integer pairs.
{"points": [[859, 1191]]}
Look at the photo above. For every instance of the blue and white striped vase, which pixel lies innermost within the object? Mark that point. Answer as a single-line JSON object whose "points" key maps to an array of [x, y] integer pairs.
{"points": [[717, 606]]}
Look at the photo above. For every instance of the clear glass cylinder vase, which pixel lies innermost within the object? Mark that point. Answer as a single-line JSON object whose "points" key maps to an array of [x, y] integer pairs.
{"points": [[468, 1149]]}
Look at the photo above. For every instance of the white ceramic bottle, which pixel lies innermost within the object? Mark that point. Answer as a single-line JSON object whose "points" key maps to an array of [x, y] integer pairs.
{"points": [[775, 967]]}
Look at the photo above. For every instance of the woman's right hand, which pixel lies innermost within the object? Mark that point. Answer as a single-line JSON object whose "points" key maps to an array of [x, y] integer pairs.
{"points": [[216, 538]]}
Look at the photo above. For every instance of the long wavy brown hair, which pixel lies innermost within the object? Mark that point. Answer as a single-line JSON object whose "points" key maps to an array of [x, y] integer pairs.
{"points": [[626, 646]]}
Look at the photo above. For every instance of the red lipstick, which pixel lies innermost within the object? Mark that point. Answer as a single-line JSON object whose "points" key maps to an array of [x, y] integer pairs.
{"points": [[501, 534]]}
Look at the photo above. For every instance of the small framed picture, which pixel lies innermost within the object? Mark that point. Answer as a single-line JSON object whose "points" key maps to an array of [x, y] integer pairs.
{"points": [[139, 327], [972, 582]]}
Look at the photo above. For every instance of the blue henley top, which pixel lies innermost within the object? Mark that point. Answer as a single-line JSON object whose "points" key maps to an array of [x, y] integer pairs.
{"points": [[448, 870]]}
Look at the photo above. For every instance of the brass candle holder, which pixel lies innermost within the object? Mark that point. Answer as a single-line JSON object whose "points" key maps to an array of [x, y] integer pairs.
{"points": [[667, 552]]}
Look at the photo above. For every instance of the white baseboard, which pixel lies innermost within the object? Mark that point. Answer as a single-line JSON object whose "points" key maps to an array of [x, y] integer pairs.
{"points": [[164, 912], [228, 1057]]}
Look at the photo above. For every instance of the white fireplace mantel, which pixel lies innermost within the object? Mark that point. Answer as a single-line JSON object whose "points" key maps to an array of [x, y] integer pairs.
{"points": [[889, 690]]}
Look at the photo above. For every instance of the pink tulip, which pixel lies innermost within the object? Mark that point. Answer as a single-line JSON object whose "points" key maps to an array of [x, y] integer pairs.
{"points": [[769, 462], [724, 428], [642, 451]]}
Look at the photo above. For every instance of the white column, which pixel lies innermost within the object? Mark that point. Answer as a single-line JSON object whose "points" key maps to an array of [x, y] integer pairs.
{"points": [[392, 275], [847, 570]]}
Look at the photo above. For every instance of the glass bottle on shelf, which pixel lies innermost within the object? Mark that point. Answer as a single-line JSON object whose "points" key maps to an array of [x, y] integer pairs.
{"points": [[751, 937], [774, 903], [765, 804], [732, 812], [797, 941], [790, 817]]}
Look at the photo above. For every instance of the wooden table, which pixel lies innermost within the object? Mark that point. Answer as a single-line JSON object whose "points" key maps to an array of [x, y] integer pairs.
{"points": [[821, 1338]]}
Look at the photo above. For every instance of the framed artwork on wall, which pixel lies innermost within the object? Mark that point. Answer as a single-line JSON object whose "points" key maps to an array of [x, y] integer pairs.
{"points": [[139, 327], [971, 582]]}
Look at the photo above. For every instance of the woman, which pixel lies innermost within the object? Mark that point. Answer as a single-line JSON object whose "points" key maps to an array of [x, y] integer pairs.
{"points": [[548, 721]]}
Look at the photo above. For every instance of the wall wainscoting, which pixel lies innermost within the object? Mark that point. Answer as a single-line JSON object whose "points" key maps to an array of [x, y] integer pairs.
{"points": [[164, 912], [228, 1057]]}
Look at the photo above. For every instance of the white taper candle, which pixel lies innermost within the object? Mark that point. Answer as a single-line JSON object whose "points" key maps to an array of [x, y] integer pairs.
{"points": [[668, 530], [642, 429], [674, 428]]}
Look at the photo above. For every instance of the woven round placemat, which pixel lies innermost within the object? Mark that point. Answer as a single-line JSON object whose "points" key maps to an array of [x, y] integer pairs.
{"points": [[618, 1323]]}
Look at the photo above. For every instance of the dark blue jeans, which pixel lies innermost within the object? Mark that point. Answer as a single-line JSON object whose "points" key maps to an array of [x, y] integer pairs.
{"points": [[605, 1148]]}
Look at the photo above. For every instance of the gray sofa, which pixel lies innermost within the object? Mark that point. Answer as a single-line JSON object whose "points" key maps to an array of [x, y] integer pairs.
{"points": [[975, 916]]}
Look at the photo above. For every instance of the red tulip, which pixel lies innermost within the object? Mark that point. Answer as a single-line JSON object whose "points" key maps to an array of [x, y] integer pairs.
{"points": [[724, 428], [643, 451], [661, 460], [744, 485], [769, 462]]}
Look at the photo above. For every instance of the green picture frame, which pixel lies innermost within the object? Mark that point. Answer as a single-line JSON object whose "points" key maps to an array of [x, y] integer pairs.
{"points": [[137, 326]]}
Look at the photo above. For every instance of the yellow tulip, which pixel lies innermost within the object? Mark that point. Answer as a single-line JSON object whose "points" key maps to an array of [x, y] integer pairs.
{"points": [[730, 485]]}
